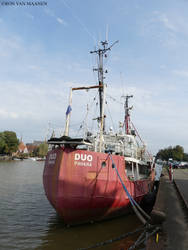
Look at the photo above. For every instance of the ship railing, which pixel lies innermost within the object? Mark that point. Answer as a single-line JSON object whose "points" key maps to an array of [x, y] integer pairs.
{"points": [[70, 141]]}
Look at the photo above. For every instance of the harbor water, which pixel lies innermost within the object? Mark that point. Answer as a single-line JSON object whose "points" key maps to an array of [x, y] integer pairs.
{"points": [[28, 221]]}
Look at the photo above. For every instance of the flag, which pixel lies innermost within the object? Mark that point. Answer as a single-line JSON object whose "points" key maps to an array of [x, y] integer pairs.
{"points": [[69, 109]]}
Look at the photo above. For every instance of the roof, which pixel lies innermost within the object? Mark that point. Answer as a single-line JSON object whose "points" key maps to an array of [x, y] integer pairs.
{"points": [[21, 147]]}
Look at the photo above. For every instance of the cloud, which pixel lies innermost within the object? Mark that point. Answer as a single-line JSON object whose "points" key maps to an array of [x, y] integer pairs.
{"points": [[11, 48], [182, 73], [30, 107], [166, 28], [53, 15], [167, 22], [28, 15], [25, 100], [8, 115], [158, 113], [49, 12], [27, 108], [61, 21], [33, 67], [11, 43], [33, 80], [165, 19]]}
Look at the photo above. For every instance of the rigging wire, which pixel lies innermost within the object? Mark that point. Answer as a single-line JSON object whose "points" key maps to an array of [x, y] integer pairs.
{"points": [[114, 99], [95, 112], [110, 115], [79, 21], [88, 109], [122, 83], [95, 62], [141, 140]]}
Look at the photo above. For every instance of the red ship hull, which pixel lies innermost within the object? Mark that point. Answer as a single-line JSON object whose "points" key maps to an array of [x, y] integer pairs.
{"points": [[82, 189]]}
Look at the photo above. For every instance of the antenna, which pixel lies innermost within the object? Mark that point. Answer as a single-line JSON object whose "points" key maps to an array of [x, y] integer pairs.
{"points": [[113, 44], [107, 31], [101, 52]]}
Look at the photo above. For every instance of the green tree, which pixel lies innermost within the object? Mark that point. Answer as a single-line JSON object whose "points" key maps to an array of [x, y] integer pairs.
{"points": [[11, 142], [43, 149], [35, 151], [185, 157], [2, 143], [165, 154], [176, 153]]}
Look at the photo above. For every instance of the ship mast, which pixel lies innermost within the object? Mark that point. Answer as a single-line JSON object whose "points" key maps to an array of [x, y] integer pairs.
{"points": [[127, 114], [101, 52]]}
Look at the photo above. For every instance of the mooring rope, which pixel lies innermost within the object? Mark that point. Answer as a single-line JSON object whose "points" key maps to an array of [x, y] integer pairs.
{"points": [[148, 229], [137, 209], [144, 236]]}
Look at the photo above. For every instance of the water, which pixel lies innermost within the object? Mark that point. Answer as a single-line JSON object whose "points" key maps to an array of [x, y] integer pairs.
{"points": [[27, 220]]}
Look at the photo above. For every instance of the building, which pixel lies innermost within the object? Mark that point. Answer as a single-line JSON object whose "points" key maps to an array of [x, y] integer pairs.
{"points": [[22, 148]]}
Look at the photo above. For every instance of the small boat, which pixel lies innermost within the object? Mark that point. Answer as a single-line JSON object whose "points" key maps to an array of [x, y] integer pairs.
{"points": [[37, 158], [18, 159], [33, 158], [79, 176], [40, 159]]}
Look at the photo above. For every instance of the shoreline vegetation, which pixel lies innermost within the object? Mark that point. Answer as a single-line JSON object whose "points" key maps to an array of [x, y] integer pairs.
{"points": [[13, 158], [11, 148], [6, 158]]}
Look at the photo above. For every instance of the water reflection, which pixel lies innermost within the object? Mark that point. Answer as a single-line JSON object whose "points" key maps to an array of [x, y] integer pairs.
{"points": [[59, 236], [27, 220]]}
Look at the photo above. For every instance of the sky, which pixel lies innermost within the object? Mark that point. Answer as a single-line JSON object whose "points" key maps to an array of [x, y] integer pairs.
{"points": [[44, 50]]}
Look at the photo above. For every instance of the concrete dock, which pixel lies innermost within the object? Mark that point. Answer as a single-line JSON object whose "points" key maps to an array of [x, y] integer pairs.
{"points": [[172, 199], [181, 182]]}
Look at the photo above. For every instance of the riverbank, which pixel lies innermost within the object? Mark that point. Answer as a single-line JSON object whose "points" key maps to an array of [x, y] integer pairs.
{"points": [[12, 158], [6, 158]]}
